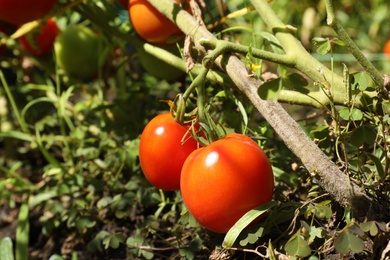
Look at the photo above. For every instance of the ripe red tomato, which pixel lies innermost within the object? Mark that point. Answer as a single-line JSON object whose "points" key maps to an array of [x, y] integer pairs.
{"points": [[22, 11], [386, 48], [224, 180], [163, 148], [40, 41], [150, 24]]}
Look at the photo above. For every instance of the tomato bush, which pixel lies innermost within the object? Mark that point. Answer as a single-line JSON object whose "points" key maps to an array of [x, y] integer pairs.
{"points": [[164, 146], [22, 11], [150, 24], [78, 51], [40, 40], [224, 180]]}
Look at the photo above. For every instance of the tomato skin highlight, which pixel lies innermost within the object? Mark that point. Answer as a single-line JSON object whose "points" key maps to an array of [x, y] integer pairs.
{"points": [[163, 148], [19, 12], [150, 24], [224, 180], [41, 40]]}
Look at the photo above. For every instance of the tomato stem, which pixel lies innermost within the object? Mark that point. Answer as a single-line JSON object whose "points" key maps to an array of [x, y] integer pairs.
{"points": [[180, 109]]}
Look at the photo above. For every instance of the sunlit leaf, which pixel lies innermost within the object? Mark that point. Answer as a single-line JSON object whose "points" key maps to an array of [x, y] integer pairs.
{"points": [[324, 48], [244, 221], [6, 249]]}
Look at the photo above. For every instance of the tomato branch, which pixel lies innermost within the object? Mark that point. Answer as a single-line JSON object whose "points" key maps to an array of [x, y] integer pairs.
{"points": [[322, 168], [352, 47]]}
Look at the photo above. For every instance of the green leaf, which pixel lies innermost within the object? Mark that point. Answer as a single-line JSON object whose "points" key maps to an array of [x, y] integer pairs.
{"points": [[297, 246], [318, 40], [379, 166], [297, 81], [347, 114], [270, 89], [6, 249], [324, 48], [363, 135], [338, 42], [316, 232], [322, 212], [22, 232], [361, 81], [84, 223], [17, 135], [244, 221], [369, 226], [348, 241]]}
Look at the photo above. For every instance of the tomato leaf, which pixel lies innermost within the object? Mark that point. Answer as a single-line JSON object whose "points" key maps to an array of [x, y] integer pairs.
{"points": [[244, 221]]}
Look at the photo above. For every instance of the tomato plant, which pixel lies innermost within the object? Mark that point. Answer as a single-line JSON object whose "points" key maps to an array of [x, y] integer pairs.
{"points": [[78, 51], [164, 146], [157, 67], [22, 11], [150, 24], [386, 48], [224, 180], [40, 40]]}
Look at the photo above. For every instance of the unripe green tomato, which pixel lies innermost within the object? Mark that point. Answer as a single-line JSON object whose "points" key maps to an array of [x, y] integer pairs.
{"points": [[157, 67], [78, 50]]}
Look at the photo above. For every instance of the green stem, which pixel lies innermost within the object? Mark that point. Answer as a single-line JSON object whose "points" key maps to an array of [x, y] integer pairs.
{"points": [[294, 48], [352, 47], [15, 108], [221, 47], [198, 81]]}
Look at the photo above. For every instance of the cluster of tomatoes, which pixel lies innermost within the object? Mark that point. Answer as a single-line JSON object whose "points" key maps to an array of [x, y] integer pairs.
{"points": [[219, 182]]}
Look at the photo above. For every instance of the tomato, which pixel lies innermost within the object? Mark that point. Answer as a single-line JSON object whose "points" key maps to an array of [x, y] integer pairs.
{"points": [[22, 11], [224, 180], [78, 51], [123, 3], [157, 67], [150, 24], [386, 48], [163, 148], [40, 41]]}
